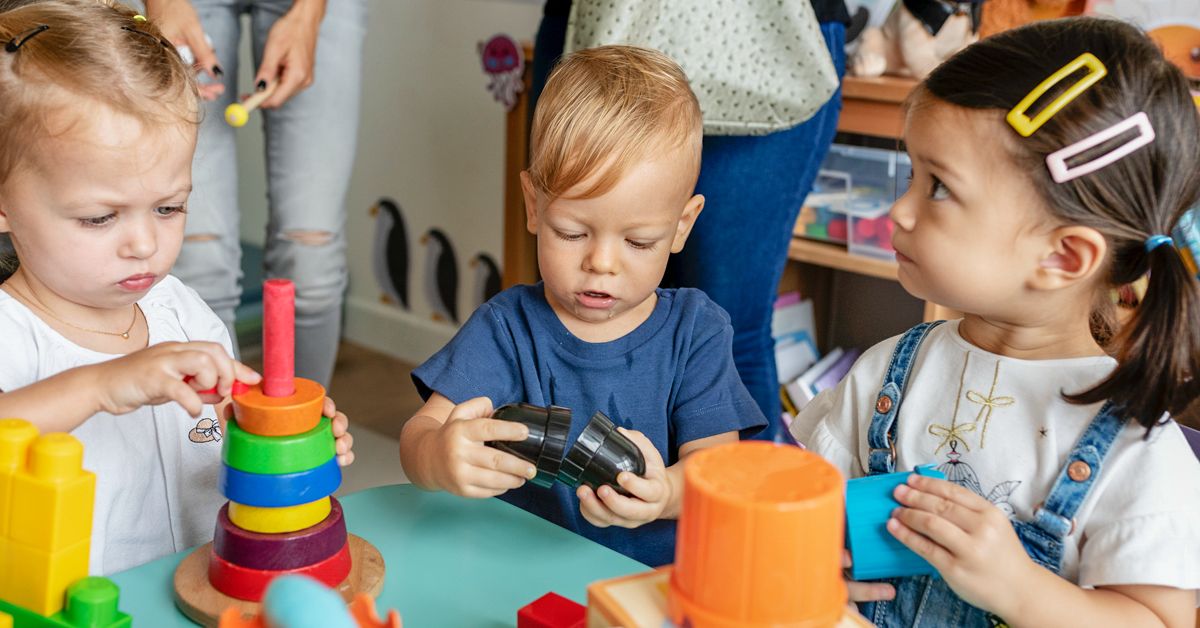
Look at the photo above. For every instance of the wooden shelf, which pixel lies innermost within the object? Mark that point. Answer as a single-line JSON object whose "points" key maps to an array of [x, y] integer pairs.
{"points": [[871, 106], [836, 256]]}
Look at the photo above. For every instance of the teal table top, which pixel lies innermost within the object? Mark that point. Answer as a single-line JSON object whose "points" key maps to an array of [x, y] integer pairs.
{"points": [[450, 561]]}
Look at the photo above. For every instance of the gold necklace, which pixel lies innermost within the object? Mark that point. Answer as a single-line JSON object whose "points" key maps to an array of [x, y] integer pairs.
{"points": [[32, 298]]}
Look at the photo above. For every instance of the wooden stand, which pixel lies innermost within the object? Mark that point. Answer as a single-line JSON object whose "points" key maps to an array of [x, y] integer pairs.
{"points": [[203, 604]]}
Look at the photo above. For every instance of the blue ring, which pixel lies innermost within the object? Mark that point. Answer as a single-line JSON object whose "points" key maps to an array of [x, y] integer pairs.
{"points": [[1155, 241], [285, 489]]}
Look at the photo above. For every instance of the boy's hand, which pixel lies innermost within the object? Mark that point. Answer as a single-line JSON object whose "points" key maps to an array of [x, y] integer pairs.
{"points": [[462, 464], [343, 440], [965, 537], [650, 494], [865, 591], [155, 375]]}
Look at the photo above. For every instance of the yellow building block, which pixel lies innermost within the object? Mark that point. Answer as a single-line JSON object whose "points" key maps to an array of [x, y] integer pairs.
{"points": [[15, 436], [278, 520], [5, 620], [52, 498], [38, 580]]}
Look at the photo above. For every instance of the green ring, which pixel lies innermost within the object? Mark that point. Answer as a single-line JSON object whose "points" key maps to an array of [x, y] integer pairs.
{"points": [[273, 455]]}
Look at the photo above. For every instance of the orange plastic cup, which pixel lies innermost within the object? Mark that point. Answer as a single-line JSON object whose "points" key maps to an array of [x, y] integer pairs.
{"points": [[760, 539]]}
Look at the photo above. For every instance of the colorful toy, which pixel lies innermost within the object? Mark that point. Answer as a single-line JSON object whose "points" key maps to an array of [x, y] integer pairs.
{"points": [[279, 471], [876, 553], [552, 611], [238, 113], [759, 539], [46, 502], [759, 544], [300, 602]]}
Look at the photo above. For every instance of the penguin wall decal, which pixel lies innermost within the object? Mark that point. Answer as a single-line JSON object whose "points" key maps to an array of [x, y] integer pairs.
{"points": [[441, 276], [487, 278], [390, 252]]}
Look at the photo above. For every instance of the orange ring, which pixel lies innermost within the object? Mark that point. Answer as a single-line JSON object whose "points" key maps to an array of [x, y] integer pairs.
{"points": [[280, 416], [249, 584]]}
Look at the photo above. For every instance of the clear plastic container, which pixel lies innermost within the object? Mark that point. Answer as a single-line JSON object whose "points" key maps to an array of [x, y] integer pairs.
{"points": [[857, 185]]}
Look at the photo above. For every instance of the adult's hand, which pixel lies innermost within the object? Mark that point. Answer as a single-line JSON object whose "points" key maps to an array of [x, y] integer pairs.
{"points": [[291, 51], [179, 23]]}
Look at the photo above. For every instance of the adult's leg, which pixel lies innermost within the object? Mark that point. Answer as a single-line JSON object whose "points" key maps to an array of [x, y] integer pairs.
{"points": [[547, 47], [754, 186], [310, 153], [210, 260]]}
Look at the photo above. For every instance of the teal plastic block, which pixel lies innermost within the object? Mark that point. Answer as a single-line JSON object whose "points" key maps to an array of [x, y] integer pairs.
{"points": [[876, 553]]}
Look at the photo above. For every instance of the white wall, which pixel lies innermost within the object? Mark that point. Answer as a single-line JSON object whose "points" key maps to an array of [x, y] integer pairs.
{"points": [[432, 139]]}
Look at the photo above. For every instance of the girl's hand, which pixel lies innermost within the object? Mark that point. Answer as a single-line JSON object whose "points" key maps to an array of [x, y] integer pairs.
{"points": [[179, 23], [291, 51], [651, 494], [965, 537], [156, 375], [343, 441], [461, 461], [865, 591]]}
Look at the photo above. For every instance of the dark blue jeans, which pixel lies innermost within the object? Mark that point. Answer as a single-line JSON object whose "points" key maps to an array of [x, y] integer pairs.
{"points": [[753, 186]]}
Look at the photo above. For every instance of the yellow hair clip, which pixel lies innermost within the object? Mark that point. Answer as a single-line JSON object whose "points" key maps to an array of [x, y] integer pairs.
{"points": [[1025, 125], [139, 18]]}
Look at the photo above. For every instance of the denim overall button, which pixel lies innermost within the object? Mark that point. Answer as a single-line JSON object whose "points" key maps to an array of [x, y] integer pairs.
{"points": [[1079, 471], [883, 404]]}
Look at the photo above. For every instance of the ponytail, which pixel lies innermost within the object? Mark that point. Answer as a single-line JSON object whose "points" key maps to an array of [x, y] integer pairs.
{"points": [[1158, 350]]}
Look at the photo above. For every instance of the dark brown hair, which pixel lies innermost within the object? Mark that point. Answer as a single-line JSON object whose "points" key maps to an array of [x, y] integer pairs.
{"points": [[1140, 195]]}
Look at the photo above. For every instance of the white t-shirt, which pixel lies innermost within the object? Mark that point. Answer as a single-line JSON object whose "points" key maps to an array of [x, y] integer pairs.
{"points": [[156, 467], [1000, 427]]}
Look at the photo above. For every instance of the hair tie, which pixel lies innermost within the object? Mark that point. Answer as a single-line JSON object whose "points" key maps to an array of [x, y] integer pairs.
{"points": [[139, 18], [1155, 241]]}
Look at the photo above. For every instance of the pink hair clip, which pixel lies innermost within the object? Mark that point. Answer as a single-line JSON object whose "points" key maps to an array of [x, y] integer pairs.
{"points": [[1057, 161]]}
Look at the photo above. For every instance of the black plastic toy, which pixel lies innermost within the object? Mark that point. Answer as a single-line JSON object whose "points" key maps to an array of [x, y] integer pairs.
{"points": [[547, 440], [599, 455]]}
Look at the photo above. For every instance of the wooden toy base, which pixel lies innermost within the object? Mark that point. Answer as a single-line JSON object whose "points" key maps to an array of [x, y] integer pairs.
{"points": [[203, 604]]}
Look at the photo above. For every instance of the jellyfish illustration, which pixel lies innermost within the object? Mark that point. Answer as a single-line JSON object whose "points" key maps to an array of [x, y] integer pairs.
{"points": [[504, 63]]}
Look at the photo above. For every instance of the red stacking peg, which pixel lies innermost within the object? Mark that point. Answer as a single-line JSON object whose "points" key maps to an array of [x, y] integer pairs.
{"points": [[279, 338]]}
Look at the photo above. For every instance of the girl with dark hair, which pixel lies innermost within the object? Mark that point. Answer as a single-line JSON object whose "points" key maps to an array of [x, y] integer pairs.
{"points": [[1050, 163]]}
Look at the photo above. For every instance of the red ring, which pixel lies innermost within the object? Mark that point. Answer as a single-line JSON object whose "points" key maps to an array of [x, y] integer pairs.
{"points": [[249, 584]]}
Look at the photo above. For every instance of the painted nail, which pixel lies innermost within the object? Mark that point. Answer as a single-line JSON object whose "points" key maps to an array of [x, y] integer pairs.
{"points": [[262, 84], [216, 69]]}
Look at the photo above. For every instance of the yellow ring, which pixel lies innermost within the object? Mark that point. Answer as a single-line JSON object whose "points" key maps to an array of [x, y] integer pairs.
{"points": [[278, 520], [1017, 116]]}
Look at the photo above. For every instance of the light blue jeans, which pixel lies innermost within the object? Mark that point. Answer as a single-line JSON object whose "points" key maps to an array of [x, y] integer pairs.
{"points": [[310, 147]]}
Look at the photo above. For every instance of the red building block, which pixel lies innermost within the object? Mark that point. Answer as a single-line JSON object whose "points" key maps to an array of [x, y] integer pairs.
{"points": [[552, 611]]}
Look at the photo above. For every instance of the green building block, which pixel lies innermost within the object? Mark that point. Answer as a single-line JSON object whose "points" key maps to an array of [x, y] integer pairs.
{"points": [[91, 603]]}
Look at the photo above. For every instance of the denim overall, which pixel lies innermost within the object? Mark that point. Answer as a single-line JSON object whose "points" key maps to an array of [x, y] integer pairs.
{"points": [[927, 600]]}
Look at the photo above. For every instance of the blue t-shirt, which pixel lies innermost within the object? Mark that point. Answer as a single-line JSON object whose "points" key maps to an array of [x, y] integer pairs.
{"points": [[672, 378]]}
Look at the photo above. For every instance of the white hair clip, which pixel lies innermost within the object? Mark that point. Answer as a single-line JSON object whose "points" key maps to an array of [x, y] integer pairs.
{"points": [[1057, 161]]}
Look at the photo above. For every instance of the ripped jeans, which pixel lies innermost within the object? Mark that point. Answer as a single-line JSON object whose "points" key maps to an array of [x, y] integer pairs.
{"points": [[310, 147]]}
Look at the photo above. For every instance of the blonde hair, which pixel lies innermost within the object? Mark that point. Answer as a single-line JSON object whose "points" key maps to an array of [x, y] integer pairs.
{"points": [[606, 108], [89, 51]]}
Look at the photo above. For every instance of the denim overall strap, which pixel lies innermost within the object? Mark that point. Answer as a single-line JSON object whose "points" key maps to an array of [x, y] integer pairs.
{"points": [[881, 436], [1053, 520]]}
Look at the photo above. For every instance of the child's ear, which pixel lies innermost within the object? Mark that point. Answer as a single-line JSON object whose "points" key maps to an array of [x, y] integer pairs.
{"points": [[531, 213], [687, 220], [1074, 254], [4, 228]]}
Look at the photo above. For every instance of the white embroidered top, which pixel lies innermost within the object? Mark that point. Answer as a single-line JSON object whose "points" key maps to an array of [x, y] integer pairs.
{"points": [[1000, 427]]}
